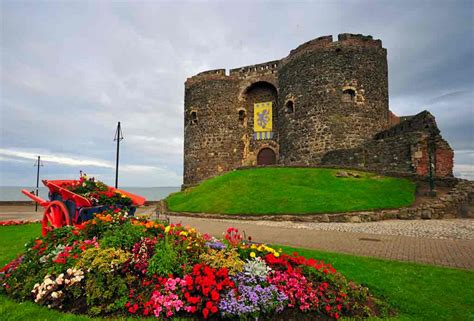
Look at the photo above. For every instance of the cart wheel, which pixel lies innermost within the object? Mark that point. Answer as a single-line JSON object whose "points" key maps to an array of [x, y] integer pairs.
{"points": [[55, 216]]}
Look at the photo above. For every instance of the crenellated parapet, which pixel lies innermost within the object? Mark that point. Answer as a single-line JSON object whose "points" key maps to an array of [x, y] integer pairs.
{"points": [[350, 39], [267, 68], [216, 74], [344, 40]]}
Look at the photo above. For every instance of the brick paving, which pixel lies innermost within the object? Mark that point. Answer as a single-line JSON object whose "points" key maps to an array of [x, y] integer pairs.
{"points": [[449, 252], [458, 253]]}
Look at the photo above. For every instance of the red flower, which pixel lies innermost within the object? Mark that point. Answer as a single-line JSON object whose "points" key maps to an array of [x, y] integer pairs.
{"points": [[205, 313], [214, 296]]}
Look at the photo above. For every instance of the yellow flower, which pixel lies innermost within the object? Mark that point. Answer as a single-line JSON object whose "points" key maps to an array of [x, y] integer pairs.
{"points": [[276, 254], [183, 233], [252, 254], [167, 229]]}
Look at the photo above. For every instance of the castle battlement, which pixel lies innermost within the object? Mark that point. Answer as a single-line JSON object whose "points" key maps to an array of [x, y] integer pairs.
{"points": [[216, 74], [270, 67]]}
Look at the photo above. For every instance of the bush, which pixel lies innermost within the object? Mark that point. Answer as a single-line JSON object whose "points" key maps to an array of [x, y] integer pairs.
{"points": [[106, 287], [164, 261], [124, 236], [227, 258]]}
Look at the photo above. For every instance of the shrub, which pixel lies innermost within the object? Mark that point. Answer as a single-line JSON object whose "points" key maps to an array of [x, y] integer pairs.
{"points": [[227, 258], [124, 236], [164, 261], [106, 287]]}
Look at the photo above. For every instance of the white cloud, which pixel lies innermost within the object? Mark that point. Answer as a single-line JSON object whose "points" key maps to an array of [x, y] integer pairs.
{"points": [[464, 171], [20, 156], [63, 160]]}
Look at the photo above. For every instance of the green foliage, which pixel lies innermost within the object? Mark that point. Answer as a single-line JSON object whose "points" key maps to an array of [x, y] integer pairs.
{"points": [[123, 236], [293, 190], [164, 261], [105, 261], [86, 186], [106, 292], [23, 279], [226, 258]]}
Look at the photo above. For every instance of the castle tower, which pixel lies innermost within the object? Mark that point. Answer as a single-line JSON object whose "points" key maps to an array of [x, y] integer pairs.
{"points": [[219, 120], [333, 95]]}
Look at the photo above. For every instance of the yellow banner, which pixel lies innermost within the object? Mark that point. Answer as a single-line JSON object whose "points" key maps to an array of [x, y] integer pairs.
{"points": [[262, 117]]}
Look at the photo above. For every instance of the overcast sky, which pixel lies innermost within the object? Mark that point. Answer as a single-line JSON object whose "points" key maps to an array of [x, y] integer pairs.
{"points": [[71, 70]]}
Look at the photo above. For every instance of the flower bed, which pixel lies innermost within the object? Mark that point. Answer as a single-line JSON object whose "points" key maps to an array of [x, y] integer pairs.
{"points": [[116, 265], [17, 222], [96, 191]]}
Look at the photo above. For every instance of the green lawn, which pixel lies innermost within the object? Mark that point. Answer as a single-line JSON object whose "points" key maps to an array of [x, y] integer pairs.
{"points": [[293, 191], [417, 292]]}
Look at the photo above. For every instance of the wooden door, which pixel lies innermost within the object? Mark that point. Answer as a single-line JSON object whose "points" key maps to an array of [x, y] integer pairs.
{"points": [[266, 156]]}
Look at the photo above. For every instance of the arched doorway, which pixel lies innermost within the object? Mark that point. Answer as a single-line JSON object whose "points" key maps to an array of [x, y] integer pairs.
{"points": [[266, 156]]}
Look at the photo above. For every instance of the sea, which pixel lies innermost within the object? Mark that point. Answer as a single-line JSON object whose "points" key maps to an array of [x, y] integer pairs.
{"points": [[12, 193]]}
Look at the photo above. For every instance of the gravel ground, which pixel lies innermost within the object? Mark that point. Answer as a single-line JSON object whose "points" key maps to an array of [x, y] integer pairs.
{"points": [[438, 229]]}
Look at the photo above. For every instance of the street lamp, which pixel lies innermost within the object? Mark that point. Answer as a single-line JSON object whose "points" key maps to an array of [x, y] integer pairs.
{"points": [[118, 137]]}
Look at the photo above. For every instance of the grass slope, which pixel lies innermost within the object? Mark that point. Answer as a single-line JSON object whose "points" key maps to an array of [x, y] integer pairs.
{"points": [[418, 292], [293, 191]]}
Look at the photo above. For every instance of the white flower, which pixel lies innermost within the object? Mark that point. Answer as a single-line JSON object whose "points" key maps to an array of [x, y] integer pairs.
{"points": [[54, 295], [69, 271]]}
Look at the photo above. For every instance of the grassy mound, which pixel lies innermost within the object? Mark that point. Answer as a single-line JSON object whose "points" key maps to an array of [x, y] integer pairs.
{"points": [[293, 191]]}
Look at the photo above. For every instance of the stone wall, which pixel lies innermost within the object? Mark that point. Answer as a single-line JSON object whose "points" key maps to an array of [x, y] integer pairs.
{"points": [[403, 148], [213, 131], [219, 138], [340, 96]]}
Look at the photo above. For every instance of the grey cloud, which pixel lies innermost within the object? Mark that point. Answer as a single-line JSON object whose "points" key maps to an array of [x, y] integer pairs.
{"points": [[71, 70]]}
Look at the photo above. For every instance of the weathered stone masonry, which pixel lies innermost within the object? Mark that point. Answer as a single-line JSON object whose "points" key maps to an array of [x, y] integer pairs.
{"points": [[330, 106]]}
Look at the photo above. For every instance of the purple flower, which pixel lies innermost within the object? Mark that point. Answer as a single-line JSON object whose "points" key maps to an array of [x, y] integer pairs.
{"points": [[216, 245], [253, 296]]}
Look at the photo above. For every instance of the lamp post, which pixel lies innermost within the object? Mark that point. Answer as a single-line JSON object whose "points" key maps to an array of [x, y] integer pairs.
{"points": [[37, 164], [431, 150], [118, 137]]}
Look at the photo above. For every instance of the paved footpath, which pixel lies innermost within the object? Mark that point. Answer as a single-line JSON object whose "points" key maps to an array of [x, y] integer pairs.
{"points": [[451, 252], [440, 242]]}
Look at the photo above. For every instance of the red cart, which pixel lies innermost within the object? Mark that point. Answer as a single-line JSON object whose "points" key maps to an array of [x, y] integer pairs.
{"points": [[67, 208]]}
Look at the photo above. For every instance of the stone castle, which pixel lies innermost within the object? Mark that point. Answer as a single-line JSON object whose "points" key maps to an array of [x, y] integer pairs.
{"points": [[329, 106]]}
